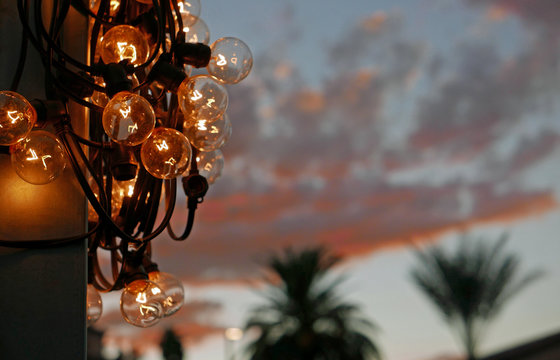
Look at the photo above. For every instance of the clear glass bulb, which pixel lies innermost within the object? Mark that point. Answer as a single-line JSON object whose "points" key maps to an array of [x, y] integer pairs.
{"points": [[128, 118], [124, 42], [99, 98], [202, 97], [197, 32], [142, 303], [114, 6], [208, 136], [94, 305], [119, 191], [210, 165], [190, 11], [17, 117], [231, 60], [173, 289], [166, 154], [39, 158]]}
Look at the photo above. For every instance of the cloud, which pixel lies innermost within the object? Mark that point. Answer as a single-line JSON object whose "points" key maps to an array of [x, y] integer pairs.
{"points": [[541, 12]]}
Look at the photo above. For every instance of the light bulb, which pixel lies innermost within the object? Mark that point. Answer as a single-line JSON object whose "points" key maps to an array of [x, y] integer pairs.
{"points": [[99, 98], [94, 305], [128, 118], [197, 32], [166, 154], [17, 117], [124, 42], [190, 11], [39, 158], [119, 190], [173, 289], [202, 97], [114, 6], [210, 164], [231, 60], [142, 303], [208, 136]]}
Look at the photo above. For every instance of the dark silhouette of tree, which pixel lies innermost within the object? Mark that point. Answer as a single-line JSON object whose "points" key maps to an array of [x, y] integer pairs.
{"points": [[470, 287], [304, 318], [171, 346]]}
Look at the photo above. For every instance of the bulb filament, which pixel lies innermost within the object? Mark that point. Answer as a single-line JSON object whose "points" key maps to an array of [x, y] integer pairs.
{"points": [[14, 115], [221, 60], [210, 102], [196, 95], [35, 157], [141, 298], [162, 146], [127, 51], [201, 125], [124, 112], [132, 128]]}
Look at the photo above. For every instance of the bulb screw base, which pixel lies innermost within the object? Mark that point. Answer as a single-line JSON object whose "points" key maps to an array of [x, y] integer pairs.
{"points": [[170, 76], [123, 163], [197, 55], [195, 186]]}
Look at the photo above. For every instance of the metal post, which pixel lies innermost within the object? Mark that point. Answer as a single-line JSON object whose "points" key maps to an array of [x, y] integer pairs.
{"points": [[42, 292]]}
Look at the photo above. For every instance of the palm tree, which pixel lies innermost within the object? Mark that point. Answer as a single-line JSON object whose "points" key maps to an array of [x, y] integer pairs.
{"points": [[470, 287], [171, 346], [304, 318]]}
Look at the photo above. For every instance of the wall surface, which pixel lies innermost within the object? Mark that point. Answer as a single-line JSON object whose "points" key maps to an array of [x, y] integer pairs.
{"points": [[42, 293]]}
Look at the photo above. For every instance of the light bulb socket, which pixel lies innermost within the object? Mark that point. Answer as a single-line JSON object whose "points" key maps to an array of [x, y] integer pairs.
{"points": [[48, 110], [197, 55], [133, 270], [116, 79], [148, 25], [149, 265], [124, 165], [195, 186], [168, 75]]}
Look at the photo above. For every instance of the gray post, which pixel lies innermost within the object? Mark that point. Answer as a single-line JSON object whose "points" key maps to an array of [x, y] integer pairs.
{"points": [[42, 292]]}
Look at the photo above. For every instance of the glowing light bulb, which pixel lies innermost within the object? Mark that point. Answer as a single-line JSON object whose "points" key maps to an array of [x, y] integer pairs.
{"points": [[231, 60], [142, 303], [114, 6], [208, 135], [94, 305], [99, 98], [17, 117], [166, 154], [202, 97], [190, 11], [210, 165], [119, 190], [124, 42], [128, 119], [173, 289], [39, 158], [197, 32]]}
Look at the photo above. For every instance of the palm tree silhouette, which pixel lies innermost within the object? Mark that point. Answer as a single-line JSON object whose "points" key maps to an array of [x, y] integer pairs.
{"points": [[171, 346], [470, 287], [304, 318]]}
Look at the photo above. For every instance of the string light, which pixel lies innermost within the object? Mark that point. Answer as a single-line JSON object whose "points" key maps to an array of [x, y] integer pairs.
{"points": [[150, 123]]}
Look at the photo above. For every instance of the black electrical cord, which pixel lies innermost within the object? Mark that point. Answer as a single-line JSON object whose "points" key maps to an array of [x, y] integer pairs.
{"points": [[22, 55]]}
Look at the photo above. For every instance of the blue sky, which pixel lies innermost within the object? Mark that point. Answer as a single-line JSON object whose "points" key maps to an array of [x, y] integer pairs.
{"points": [[369, 126]]}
